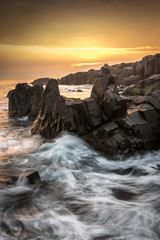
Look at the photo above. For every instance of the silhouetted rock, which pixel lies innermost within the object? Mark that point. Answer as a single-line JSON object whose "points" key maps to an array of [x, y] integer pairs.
{"points": [[25, 100], [80, 78], [42, 81]]}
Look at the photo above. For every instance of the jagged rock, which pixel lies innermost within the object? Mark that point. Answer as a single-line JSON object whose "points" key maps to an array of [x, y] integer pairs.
{"points": [[151, 64], [59, 114], [102, 120], [105, 92], [25, 100], [126, 73], [35, 101], [103, 81]]}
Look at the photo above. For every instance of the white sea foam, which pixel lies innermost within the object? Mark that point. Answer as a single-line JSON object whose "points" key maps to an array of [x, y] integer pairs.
{"points": [[82, 194]]}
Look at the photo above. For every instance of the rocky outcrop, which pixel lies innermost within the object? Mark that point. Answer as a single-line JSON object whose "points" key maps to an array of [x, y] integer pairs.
{"points": [[42, 81], [59, 114], [130, 73], [105, 92], [25, 100], [103, 120], [72, 79], [125, 73], [80, 78], [138, 130]]}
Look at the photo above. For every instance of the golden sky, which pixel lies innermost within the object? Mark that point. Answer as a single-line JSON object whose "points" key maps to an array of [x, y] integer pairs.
{"points": [[52, 38]]}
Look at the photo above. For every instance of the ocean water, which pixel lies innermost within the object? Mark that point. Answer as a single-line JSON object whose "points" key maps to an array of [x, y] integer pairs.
{"points": [[82, 195]]}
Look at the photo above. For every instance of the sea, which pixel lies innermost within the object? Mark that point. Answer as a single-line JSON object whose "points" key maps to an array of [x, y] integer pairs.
{"points": [[83, 195]]}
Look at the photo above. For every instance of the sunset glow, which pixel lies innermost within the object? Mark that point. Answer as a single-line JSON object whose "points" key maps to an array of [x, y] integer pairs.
{"points": [[53, 38]]}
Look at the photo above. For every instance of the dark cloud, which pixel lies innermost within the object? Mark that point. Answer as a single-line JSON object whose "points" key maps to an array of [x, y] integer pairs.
{"points": [[60, 22]]}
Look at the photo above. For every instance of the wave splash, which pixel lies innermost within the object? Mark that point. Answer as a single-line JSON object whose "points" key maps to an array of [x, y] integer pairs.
{"points": [[82, 195]]}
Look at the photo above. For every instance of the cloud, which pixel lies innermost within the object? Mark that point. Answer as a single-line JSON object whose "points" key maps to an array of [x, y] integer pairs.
{"points": [[74, 23]]}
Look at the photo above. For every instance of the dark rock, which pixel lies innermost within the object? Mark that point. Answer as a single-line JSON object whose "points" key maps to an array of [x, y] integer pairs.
{"points": [[42, 81], [113, 105], [80, 78], [19, 100], [131, 73], [151, 64], [123, 194], [25, 100], [102, 120], [132, 171], [102, 83], [34, 178], [105, 92], [79, 90]]}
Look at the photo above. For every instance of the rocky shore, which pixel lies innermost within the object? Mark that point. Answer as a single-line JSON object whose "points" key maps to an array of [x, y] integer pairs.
{"points": [[126, 73], [111, 123]]}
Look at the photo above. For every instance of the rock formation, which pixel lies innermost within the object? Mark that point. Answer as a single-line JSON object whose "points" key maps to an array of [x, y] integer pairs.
{"points": [[130, 73], [25, 100], [102, 120], [80, 78], [108, 122], [42, 81], [59, 114], [125, 73], [73, 78]]}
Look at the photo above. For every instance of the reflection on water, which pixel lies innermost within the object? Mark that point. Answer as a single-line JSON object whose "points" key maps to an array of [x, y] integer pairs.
{"points": [[82, 194]]}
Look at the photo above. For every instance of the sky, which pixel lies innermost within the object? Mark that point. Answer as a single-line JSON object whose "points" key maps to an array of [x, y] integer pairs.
{"points": [[51, 38]]}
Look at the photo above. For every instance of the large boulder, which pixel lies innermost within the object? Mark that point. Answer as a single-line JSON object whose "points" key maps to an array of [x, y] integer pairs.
{"points": [[25, 100]]}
